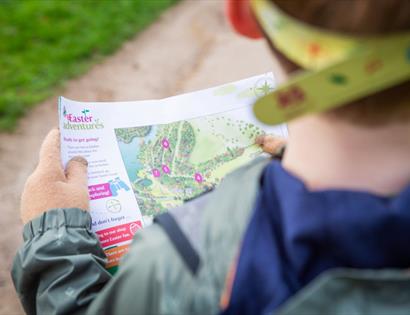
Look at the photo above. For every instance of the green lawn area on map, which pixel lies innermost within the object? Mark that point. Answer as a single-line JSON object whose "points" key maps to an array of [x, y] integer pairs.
{"points": [[45, 42], [171, 163]]}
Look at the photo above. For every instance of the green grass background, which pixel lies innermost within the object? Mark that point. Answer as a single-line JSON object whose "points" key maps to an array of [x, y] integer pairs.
{"points": [[44, 42]]}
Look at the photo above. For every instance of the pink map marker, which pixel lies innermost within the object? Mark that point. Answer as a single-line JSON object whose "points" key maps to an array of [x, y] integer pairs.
{"points": [[198, 178], [165, 143], [156, 172], [166, 169]]}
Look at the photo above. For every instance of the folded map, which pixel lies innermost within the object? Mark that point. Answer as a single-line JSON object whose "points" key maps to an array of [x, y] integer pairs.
{"points": [[149, 156]]}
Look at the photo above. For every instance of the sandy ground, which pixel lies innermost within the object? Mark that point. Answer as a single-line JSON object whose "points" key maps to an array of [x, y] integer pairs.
{"points": [[190, 47]]}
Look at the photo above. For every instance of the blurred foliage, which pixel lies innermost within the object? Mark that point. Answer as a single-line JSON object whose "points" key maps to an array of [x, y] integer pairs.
{"points": [[44, 42]]}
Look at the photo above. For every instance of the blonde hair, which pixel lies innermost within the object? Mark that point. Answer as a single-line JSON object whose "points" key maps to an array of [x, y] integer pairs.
{"points": [[358, 17]]}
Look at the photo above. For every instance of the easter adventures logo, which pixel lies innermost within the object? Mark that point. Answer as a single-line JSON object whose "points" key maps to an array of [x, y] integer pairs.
{"points": [[85, 121]]}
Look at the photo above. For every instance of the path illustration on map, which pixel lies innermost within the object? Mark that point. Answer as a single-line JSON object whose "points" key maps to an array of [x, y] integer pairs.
{"points": [[171, 163]]}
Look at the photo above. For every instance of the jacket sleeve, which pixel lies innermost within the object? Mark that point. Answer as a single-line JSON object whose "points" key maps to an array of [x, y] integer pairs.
{"points": [[60, 267]]}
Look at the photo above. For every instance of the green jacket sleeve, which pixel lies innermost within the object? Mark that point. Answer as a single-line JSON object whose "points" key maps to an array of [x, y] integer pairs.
{"points": [[60, 267]]}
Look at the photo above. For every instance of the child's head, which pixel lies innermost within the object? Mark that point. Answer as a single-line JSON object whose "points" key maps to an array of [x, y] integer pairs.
{"points": [[356, 18]]}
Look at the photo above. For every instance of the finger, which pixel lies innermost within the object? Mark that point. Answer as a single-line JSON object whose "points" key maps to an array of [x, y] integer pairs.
{"points": [[273, 145], [270, 144], [76, 171], [260, 139], [50, 158]]}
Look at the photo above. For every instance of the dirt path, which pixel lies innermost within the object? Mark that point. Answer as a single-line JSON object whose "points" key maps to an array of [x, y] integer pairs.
{"points": [[190, 47]]}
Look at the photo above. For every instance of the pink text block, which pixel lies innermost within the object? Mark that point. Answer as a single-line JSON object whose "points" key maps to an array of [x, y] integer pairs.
{"points": [[99, 191], [118, 234]]}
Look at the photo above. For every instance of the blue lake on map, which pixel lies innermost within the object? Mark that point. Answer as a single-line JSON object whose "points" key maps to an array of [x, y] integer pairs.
{"points": [[130, 151]]}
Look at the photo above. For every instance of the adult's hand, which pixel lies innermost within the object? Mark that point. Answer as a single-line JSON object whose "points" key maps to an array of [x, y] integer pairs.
{"points": [[271, 144], [50, 186]]}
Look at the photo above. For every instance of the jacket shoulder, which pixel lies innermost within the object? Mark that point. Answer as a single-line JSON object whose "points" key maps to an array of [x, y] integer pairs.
{"points": [[353, 291], [153, 278], [224, 220], [146, 276]]}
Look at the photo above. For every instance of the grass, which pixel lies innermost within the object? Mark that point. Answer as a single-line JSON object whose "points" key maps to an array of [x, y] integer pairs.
{"points": [[45, 42]]}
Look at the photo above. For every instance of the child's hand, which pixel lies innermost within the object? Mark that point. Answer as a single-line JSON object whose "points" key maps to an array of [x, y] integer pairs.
{"points": [[271, 144], [49, 187]]}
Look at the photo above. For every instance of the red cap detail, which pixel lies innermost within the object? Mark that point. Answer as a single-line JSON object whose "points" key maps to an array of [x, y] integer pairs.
{"points": [[239, 15]]}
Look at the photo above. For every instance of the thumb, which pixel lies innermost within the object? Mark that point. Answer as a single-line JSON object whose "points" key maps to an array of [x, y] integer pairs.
{"points": [[50, 162], [271, 144], [76, 171]]}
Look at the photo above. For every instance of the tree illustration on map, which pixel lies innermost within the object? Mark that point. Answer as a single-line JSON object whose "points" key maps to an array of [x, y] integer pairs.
{"points": [[171, 163]]}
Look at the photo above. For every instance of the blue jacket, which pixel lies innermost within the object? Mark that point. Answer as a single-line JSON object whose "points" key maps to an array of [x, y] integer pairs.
{"points": [[295, 234]]}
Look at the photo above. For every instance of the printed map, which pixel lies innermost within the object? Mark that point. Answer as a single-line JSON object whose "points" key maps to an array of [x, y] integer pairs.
{"points": [[171, 163]]}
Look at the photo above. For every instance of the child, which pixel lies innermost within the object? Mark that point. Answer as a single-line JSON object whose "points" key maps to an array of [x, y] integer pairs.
{"points": [[339, 200]]}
